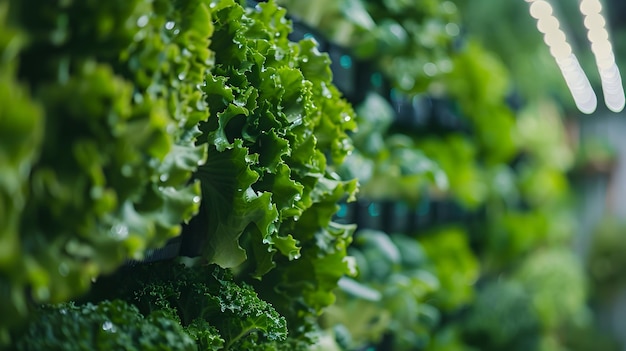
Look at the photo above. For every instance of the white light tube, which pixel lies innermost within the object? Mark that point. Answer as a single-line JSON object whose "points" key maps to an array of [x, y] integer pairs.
{"points": [[575, 78], [602, 49]]}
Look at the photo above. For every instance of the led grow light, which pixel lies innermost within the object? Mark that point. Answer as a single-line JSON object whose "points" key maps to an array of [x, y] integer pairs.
{"points": [[575, 78], [603, 51]]}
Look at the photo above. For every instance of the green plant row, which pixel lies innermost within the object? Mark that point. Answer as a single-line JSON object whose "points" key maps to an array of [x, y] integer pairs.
{"points": [[476, 285], [162, 306], [112, 146], [123, 120], [408, 40]]}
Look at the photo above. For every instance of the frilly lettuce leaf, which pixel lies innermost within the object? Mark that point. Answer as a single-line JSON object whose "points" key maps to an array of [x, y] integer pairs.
{"points": [[277, 130], [231, 205], [109, 176]]}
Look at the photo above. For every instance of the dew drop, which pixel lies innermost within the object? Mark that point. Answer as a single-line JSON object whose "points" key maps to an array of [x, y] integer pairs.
{"points": [[196, 199], [120, 231], [169, 25], [142, 21], [164, 177], [326, 92], [108, 326]]}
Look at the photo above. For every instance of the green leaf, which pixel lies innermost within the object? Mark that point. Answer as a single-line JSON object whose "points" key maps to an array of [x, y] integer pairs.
{"points": [[231, 204], [355, 11], [454, 264], [382, 242], [107, 325], [359, 290], [276, 131]]}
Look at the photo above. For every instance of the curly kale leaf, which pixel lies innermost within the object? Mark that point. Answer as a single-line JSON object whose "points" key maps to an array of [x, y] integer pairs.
{"points": [[109, 325], [207, 337], [203, 298]]}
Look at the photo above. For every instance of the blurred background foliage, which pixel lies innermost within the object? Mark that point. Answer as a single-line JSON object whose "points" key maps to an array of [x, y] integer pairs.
{"points": [[462, 127], [507, 276]]}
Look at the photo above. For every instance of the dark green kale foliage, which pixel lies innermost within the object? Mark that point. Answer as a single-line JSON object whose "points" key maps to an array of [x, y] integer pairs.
{"points": [[215, 311], [109, 325]]}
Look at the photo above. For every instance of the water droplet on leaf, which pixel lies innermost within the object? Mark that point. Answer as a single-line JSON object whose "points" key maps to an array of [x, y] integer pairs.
{"points": [[120, 231], [108, 326], [142, 21]]}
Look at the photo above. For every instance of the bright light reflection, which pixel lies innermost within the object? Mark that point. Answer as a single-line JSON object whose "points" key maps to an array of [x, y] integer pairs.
{"points": [[598, 35], [575, 78], [603, 51], [560, 50], [548, 24], [588, 7], [594, 20], [540, 9]]}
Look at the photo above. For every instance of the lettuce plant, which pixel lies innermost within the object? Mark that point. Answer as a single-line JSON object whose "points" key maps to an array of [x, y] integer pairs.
{"points": [[276, 131], [101, 151], [411, 41]]}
